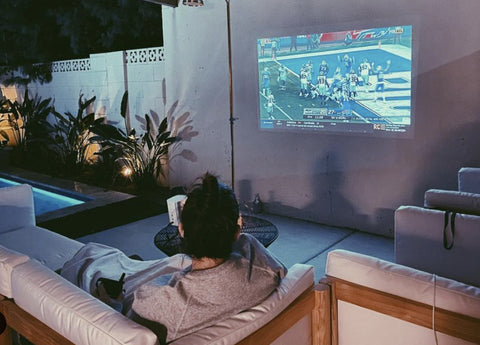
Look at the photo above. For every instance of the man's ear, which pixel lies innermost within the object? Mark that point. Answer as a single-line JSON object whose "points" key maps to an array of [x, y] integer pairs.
{"points": [[180, 229], [239, 226]]}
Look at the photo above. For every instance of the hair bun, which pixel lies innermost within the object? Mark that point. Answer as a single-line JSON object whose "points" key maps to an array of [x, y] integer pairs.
{"points": [[210, 188]]}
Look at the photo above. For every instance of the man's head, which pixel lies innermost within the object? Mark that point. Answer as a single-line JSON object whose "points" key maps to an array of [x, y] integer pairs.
{"points": [[209, 219]]}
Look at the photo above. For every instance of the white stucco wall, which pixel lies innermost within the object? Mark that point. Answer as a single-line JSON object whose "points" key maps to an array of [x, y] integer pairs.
{"points": [[106, 76]]}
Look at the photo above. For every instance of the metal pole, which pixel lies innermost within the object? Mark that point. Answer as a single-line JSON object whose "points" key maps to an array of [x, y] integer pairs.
{"points": [[230, 88]]}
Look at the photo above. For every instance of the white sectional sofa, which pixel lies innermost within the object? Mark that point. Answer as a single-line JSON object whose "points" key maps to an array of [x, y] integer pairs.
{"points": [[443, 237], [376, 302], [38, 303], [361, 301]]}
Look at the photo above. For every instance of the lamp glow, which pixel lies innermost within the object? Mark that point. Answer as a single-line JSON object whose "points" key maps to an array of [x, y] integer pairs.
{"points": [[127, 172]]}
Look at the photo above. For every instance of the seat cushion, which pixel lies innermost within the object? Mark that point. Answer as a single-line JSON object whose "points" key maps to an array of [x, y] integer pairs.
{"points": [[72, 312], [8, 260], [45, 246], [230, 331], [16, 207], [450, 200]]}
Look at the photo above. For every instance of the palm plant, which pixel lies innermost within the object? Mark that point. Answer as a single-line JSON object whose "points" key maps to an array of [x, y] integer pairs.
{"points": [[29, 130], [139, 158], [72, 136]]}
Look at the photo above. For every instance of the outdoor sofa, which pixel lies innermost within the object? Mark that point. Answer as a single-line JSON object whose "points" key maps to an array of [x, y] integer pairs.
{"points": [[38, 303], [443, 236], [361, 300]]}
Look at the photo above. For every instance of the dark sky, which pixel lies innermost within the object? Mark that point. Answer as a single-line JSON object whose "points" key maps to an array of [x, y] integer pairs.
{"points": [[35, 31]]}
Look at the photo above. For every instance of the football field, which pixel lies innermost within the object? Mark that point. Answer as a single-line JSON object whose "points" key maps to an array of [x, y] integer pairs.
{"points": [[367, 106]]}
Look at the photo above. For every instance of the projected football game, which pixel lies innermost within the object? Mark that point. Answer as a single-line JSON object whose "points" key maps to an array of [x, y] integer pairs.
{"points": [[347, 81]]}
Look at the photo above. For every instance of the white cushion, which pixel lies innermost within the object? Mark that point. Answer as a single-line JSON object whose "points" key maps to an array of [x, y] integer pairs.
{"points": [[230, 331], [451, 200], [419, 243], [72, 312], [357, 326], [404, 282], [469, 180], [45, 246], [16, 207], [8, 260]]}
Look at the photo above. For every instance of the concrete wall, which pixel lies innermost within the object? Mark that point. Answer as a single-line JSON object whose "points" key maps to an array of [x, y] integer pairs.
{"points": [[195, 40], [342, 180]]}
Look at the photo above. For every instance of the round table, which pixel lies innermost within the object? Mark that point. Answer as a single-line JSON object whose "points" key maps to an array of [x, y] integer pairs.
{"points": [[168, 239]]}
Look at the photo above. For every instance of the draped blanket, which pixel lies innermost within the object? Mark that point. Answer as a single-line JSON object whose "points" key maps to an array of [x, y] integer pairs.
{"points": [[95, 260]]}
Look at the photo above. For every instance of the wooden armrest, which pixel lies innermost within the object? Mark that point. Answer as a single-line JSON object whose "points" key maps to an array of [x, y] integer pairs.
{"points": [[25, 324], [447, 322], [314, 302]]}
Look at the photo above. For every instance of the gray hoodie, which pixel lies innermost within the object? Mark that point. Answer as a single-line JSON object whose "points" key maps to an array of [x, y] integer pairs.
{"points": [[196, 299]]}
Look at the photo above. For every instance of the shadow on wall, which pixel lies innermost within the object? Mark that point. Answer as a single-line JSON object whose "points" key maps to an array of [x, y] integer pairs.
{"points": [[451, 129], [329, 205], [180, 126]]}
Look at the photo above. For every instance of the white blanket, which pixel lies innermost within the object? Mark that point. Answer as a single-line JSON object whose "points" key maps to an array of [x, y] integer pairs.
{"points": [[95, 260]]}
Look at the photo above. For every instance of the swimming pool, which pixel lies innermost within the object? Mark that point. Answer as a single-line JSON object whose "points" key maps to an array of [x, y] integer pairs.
{"points": [[46, 201]]}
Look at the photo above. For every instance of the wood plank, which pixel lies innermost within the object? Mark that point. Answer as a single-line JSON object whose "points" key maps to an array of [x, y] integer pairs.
{"points": [[334, 312], [6, 337], [31, 328], [321, 316], [451, 323], [302, 306], [6, 334]]}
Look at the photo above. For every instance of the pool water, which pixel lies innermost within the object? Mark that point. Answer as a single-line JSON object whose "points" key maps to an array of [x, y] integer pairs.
{"points": [[45, 201]]}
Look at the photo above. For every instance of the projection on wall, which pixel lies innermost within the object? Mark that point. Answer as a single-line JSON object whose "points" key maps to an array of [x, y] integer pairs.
{"points": [[354, 81]]}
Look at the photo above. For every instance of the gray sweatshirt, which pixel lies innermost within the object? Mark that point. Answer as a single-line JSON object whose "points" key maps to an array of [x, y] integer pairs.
{"points": [[196, 299]]}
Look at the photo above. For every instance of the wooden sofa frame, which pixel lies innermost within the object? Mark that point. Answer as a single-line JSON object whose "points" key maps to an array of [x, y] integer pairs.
{"points": [[447, 322], [315, 302]]}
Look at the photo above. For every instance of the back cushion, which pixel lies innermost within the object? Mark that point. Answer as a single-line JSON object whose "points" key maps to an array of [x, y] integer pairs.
{"points": [[419, 235], [451, 200], [72, 312], [299, 278], [16, 207], [404, 281], [8, 260], [469, 180]]}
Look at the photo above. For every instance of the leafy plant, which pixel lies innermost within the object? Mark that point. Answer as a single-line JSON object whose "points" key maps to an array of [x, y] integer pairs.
{"points": [[72, 136], [29, 131], [139, 158], [4, 137]]}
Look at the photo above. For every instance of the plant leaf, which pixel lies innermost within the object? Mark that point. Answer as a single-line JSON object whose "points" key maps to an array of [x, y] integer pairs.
{"points": [[123, 107], [4, 135]]}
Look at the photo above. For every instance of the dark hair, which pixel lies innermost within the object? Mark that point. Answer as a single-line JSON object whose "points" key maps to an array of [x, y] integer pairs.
{"points": [[209, 218]]}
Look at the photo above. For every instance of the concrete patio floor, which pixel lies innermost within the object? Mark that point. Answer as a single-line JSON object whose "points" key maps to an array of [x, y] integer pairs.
{"points": [[298, 241]]}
